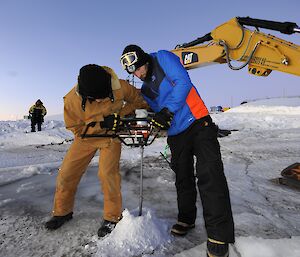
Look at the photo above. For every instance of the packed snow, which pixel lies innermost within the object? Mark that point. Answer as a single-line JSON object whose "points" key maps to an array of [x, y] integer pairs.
{"points": [[263, 141]]}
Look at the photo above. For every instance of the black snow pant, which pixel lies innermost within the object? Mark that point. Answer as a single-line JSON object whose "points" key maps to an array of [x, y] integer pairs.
{"points": [[35, 122], [200, 140]]}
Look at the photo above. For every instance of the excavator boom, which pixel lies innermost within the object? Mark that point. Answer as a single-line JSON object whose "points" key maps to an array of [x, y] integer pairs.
{"points": [[232, 41]]}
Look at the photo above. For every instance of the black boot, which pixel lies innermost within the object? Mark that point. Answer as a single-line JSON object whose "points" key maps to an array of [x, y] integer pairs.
{"points": [[57, 221], [106, 228], [181, 228], [217, 249]]}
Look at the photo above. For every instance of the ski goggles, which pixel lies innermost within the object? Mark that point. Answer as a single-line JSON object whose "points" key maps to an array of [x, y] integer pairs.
{"points": [[128, 60]]}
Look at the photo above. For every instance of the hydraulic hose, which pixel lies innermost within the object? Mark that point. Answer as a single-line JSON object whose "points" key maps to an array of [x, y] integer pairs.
{"points": [[283, 27]]}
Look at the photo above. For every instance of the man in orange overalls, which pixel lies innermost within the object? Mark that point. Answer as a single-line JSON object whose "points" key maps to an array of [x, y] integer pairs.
{"points": [[101, 97]]}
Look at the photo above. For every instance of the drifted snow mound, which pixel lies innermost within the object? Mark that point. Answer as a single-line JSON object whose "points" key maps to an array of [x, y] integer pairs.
{"points": [[265, 109], [134, 235], [253, 247], [267, 114], [292, 101]]}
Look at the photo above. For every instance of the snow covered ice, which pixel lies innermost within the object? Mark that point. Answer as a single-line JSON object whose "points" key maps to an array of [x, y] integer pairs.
{"points": [[266, 215]]}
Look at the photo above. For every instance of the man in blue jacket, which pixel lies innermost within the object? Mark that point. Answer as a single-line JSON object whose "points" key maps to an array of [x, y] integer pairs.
{"points": [[179, 108]]}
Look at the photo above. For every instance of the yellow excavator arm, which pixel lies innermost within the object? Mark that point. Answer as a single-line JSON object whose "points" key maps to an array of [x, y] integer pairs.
{"points": [[232, 41]]}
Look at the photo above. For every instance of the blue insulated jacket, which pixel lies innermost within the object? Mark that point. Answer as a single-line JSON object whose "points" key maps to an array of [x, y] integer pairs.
{"points": [[171, 87]]}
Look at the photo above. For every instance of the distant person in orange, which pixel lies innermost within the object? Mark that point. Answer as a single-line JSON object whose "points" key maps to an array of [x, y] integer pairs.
{"points": [[36, 114], [100, 97]]}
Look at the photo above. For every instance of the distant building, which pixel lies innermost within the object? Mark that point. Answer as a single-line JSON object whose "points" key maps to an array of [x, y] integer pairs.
{"points": [[215, 109], [219, 108]]}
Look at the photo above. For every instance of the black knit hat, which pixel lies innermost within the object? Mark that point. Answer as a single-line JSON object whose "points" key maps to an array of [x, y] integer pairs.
{"points": [[94, 81], [142, 57]]}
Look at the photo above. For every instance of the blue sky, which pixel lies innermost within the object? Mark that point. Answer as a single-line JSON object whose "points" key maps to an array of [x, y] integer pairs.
{"points": [[44, 43]]}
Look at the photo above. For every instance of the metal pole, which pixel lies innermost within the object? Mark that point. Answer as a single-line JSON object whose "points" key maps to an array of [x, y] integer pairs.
{"points": [[141, 181]]}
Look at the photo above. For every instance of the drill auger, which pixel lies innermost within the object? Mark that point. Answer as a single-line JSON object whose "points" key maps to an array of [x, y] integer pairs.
{"points": [[134, 132]]}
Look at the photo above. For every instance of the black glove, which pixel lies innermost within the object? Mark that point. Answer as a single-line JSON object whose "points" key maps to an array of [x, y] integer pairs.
{"points": [[111, 122], [163, 118]]}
